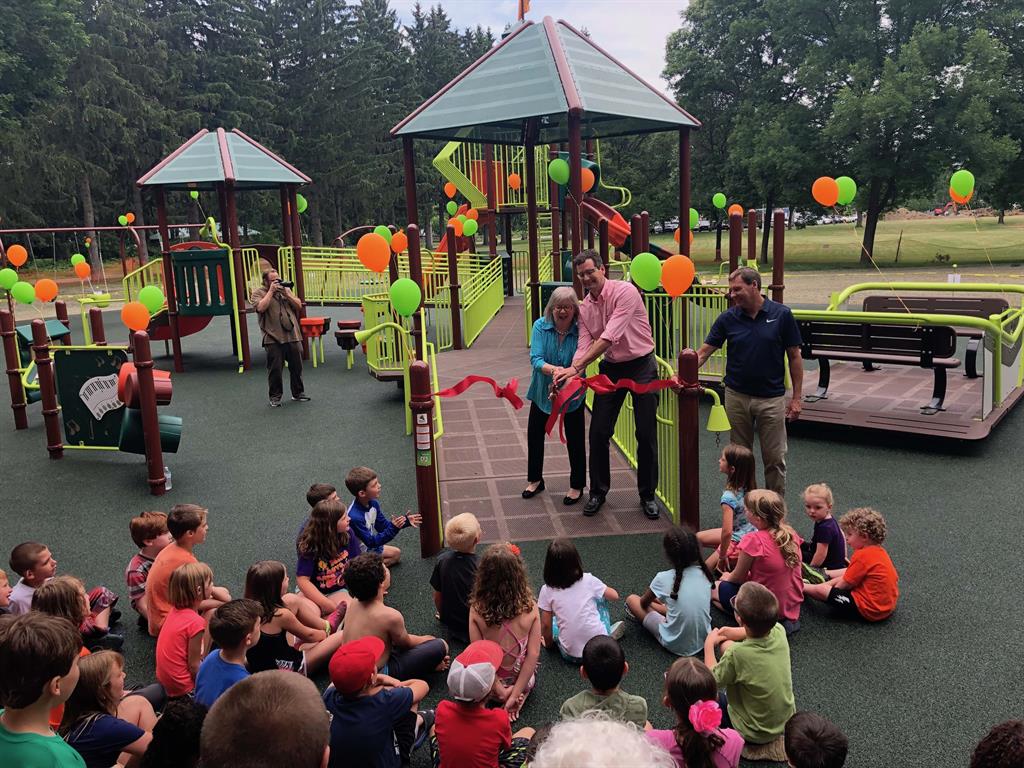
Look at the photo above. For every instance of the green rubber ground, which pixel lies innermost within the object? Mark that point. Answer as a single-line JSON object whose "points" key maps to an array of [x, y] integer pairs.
{"points": [[918, 690]]}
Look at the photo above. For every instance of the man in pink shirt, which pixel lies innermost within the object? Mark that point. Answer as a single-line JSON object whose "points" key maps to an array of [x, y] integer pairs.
{"points": [[613, 322]]}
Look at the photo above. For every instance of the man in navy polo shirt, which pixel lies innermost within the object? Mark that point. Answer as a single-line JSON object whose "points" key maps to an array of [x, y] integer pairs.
{"points": [[759, 332]]}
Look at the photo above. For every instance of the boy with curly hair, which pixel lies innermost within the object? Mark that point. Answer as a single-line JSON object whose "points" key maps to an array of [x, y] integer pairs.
{"points": [[868, 588]]}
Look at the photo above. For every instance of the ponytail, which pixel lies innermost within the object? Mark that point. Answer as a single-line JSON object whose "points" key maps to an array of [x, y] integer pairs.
{"points": [[683, 551], [691, 690], [785, 540], [771, 508]]}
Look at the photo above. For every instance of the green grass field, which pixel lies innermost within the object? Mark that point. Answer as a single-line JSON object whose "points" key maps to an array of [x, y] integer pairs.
{"points": [[925, 242]]}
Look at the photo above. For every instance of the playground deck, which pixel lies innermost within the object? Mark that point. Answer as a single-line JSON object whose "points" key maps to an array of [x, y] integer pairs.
{"points": [[482, 454]]}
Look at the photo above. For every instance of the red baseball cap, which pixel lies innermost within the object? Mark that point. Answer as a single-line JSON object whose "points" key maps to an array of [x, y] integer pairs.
{"points": [[353, 664], [472, 673]]}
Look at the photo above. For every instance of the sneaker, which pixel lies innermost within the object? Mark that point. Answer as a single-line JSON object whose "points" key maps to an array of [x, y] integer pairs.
{"points": [[300, 398], [812, 575], [336, 618], [618, 629], [275, 403]]}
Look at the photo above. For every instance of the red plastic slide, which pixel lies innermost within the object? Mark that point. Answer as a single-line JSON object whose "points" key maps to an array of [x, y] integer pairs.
{"points": [[595, 211]]}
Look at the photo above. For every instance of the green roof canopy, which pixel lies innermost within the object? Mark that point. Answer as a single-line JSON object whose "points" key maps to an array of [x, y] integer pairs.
{"points": [[209, 159], [531, 81]]}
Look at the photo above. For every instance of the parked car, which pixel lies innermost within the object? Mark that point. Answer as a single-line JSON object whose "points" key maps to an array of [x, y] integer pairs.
{"points": [[656, 227], [703, 225]]}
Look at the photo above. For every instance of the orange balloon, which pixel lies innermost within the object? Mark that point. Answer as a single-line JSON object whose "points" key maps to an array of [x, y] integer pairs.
{"points": [[677, 274], [675, 235], [960, 199], [17, 255], [457, 226], [691, 237], [130, 216], [135, 315], [46, 289], [374, 252], [825, 191], [514, 181], [449, 189], [473, 214], [399, 241], [83, 270], [587, 179], [736, 208]]}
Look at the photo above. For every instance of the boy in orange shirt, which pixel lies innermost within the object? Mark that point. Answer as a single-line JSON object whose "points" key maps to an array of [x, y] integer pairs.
{"points": [[868, 587]]}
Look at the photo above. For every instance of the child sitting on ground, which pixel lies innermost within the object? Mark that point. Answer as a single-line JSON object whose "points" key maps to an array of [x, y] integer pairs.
{"points": [[65, 596], [453, 575], [1002, 747], [769, 556], [369, 710], [38, 671], [739, 467], [176, 734], [188, 526], [467, 734], [698, 738], [502, 609], [150, 534], [756, 672], [827, 547], [676, 608], [573, 604], [368, 521], [813, 742], [235, 628], [868, 588], [180, 646], [103, 725], [604, 666], [285, 640], [405, 656], [325, 548]]}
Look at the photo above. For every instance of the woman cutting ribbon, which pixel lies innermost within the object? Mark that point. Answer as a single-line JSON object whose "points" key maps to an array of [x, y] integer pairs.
{"points": [[552, 348]]}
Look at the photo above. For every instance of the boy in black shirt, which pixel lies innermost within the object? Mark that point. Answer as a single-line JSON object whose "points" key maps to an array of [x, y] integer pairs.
{"points": [[454, 573]]}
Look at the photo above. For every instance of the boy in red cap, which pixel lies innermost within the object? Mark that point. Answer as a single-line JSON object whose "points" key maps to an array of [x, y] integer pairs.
{"points": [[468, 735], [373, 715]]}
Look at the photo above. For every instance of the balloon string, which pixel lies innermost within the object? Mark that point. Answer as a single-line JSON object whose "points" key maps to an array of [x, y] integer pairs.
{"points": [[988, 258], [871, 258]]}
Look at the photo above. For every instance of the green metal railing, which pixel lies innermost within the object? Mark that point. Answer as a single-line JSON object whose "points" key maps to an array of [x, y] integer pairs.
{"points": [[150, 273], [482, 296], [463, 164], [544, 271], [252, 275], [699, 306]]}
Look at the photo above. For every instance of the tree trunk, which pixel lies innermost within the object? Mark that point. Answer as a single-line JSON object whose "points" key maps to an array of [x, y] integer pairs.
{"points": [[860, 219], [89, 219], [1002, 214], [318, 234], [140, 216], [766, 227], [871, 224], [789, 220]]}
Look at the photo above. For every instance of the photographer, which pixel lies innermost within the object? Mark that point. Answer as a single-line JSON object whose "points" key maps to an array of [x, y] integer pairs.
{"points": [[278, 309]]}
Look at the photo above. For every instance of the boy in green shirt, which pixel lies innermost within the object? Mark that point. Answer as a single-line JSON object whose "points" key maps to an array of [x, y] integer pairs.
{"points": [[756, 672], [38, 671], [604, 665]]}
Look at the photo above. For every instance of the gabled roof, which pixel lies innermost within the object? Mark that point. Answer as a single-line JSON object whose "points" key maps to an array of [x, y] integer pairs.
{"points": [[531, 81], [208, 159]]}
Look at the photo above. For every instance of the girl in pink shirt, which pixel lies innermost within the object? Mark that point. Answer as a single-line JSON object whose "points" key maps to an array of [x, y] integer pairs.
{"points": [[771, 557], [179, 648]]}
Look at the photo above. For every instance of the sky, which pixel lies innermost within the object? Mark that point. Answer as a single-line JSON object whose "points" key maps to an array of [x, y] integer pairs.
{"points": [[633, 31]]}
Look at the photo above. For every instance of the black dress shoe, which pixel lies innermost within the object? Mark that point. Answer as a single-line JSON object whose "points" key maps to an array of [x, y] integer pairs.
{"points": [[570, 500], [650, 508], [300, 398], [528, 494], [594, 503]]}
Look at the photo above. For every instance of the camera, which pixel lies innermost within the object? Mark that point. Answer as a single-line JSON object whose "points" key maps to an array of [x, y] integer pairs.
{"points": [[285, 283]]}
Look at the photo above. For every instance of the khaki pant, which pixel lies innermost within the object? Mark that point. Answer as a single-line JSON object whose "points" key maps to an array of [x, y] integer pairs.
{"points": [[768, 416]]}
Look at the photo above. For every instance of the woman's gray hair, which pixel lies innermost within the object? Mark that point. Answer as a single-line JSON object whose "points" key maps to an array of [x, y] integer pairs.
{"points": [[596, 741], [563, 296]]}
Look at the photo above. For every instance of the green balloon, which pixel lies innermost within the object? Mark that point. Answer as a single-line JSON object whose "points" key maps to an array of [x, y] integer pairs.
{"points": [[383, 231], [463, 218], [558, 171], [847, 190], [8, 277], [76, 259], [719, 200], [452, 207], [152, 298], [194, 194], [470, 227], [22, 292], [962, 182], [301, 204], [405, 296], [694, 218], [645, 269], [122, 220]]}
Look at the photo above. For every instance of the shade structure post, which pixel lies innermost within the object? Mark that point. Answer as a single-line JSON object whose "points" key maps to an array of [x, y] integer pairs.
{"points": [[778, 255], [416, 275], [531, 233], [751, 235], [422, 406], [409, 164], [492, 201], [556, 219], [239, 286], [684, 191], [170, 292], [453, 289], [687, 429], [575, 197]]}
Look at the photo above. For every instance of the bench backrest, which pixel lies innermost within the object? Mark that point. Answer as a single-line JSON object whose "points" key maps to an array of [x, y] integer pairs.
{"points": [[969, 306], [929, 342]]}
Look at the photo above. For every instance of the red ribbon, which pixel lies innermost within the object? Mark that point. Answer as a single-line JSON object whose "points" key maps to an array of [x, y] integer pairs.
{"points": [[601, 385], [508, 392]]}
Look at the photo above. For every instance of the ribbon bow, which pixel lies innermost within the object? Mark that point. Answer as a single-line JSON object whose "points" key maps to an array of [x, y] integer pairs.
{"points": [[507, 392], [601, 385]]}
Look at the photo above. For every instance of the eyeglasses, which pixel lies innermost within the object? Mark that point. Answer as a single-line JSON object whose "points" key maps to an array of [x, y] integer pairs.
{"points": [[732, 603], [587, 272]]}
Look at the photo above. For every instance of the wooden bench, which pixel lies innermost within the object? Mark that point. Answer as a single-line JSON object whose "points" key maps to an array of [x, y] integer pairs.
{"points": [[980, 307], [865, 342]]}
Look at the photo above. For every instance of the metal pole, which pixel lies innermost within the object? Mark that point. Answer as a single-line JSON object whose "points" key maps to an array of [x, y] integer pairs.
{"points": [[143, 360], [18, 404], [48, 388], [99, 333], [422, 406], [531, 234], [778, 255], [416, 275], [684, 191], [687, 430], [453, 290], [169, 290]]}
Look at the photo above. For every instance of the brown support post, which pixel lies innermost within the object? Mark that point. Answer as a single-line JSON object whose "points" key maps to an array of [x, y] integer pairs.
{"points": [[687, 429], [416, 275], [778, 255], [751, 235], [556, 219], [574, 200], [636, 238], [18, 403], [409, 160], [169, 289], [645, 230], [286, 219], [422, 406], [239, 286], [143, 360], [453, 290], [492, 201], [531, 235], [48, 388], [735, 241], [684, 191], [62, 315], [99, 333], [602, 240]]}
